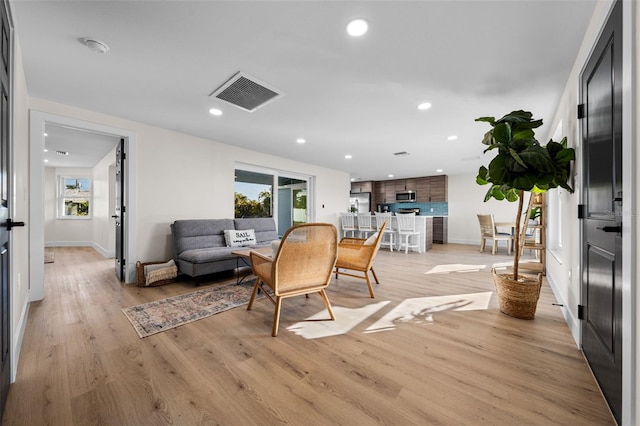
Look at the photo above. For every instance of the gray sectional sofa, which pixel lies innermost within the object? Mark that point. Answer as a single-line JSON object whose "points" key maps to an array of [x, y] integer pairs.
{"points": [[199, 246]]}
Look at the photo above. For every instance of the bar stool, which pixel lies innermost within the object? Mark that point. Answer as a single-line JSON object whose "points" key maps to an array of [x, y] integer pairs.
{"points": [[364, 225], [347, 224], [388, 231], [407, 230]]}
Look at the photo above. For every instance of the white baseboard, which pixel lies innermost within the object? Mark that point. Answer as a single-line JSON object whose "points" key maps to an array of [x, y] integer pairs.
{"points": [[68, 244], [18, 336], [106, 253], [572, 322], [467, 242]]}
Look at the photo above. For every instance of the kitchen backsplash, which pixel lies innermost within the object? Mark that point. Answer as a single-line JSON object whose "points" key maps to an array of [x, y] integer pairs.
{"points": [[426, 209]]}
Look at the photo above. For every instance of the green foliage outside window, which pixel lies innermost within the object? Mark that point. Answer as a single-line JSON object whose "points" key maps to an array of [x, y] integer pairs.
{"points": [[245, 207]]}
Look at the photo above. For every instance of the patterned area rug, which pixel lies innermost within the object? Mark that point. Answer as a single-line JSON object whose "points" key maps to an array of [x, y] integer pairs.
{"points": [[161, 315]]}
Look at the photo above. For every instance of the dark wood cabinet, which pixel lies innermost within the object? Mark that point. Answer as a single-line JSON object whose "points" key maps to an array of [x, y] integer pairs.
{"points": [[439, 189], [428, 189], [410, 184], [423, 189], [378, 193], [364, 186], [440, 230], [389, 191], [432, 189]]}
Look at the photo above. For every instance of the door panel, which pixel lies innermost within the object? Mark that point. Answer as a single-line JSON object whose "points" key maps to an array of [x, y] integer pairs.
{"points": [[602, 222], [600, 275]]}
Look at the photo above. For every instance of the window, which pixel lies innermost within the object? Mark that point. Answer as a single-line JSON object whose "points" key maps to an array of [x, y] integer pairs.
{"points": [[262, 192], [253, 194], [74, 197], [554, 211]]}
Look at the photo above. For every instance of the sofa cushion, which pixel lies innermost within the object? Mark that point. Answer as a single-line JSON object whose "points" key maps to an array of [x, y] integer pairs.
{"points": [[204, 255], [200, 233]]}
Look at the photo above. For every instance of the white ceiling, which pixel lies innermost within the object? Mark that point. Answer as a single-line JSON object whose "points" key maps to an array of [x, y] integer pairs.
{"points": [[83, 148], [344, 95]]}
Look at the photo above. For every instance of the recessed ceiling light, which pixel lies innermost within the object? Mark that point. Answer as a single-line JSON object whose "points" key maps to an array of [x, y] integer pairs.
{"points": [[215, 111], [357, 27], [389, 175], [452, 138], [46, 161], [352, 179], [348, 156], [439, 171], [300, 140], [45, 135], [424, 106], [46, 150]]}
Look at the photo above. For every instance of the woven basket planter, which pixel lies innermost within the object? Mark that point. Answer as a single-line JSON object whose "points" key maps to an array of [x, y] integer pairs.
{"points": [[517, 299]]}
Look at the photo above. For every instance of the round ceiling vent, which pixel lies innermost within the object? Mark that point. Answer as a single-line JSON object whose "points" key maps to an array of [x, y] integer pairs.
{"points": [[95, 46]]}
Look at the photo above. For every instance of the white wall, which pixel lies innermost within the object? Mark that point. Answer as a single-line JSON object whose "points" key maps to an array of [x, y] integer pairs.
{"points": [[20, 209], [466, 200], [63, 232], [185, 177]]}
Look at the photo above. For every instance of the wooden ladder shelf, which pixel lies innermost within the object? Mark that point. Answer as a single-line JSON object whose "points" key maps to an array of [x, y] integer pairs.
{"points": [[535, 235]]}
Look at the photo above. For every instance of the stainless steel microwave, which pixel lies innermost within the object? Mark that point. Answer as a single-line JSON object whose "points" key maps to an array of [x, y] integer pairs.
{"points": [[405, 196]]}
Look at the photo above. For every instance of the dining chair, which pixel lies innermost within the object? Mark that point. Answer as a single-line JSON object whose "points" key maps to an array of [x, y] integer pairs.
{"points": [[488, 231], [348, 224], [365, 227], [387, 230], [407, 232], [357, 254], [303, 264]]}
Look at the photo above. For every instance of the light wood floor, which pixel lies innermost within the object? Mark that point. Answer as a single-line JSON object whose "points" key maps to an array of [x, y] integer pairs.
{"points": [[82, 362]]}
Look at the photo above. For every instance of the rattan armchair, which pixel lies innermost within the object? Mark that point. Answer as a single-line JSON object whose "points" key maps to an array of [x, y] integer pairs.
{"points": [[303, 264], [357, 254]]}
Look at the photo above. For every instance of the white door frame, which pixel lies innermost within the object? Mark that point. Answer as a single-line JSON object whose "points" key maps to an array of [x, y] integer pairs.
{"points": [[38, 121]]}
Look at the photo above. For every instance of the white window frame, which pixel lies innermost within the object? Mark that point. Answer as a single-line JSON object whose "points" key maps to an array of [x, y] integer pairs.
{"points": [[60, 198], [554, 211]]}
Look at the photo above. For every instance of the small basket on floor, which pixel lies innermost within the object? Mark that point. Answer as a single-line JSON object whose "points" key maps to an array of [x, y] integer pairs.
{"points": [[142, 280]]}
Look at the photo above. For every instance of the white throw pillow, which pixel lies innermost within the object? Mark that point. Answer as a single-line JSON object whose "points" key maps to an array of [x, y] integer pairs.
{"points": [[371, 240], [240, 238]]}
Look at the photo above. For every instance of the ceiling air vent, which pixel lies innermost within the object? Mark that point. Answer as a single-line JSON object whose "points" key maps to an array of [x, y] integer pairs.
{"points": [[246, 92], [401, 153]]}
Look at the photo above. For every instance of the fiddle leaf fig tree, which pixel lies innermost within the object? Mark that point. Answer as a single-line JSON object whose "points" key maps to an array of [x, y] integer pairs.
{"points": [[522, 164]]}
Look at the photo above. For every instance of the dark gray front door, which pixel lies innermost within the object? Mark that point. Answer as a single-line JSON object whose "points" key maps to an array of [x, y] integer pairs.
{"points": [[5, 329], [121, 210], [602, 222]]}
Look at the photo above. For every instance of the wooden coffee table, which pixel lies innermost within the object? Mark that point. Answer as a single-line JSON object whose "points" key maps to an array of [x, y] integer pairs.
{"points": [[243, 255]]}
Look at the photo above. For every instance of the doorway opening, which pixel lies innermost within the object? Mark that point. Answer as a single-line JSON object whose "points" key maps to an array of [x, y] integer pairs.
{"points": [[39, 122]]}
